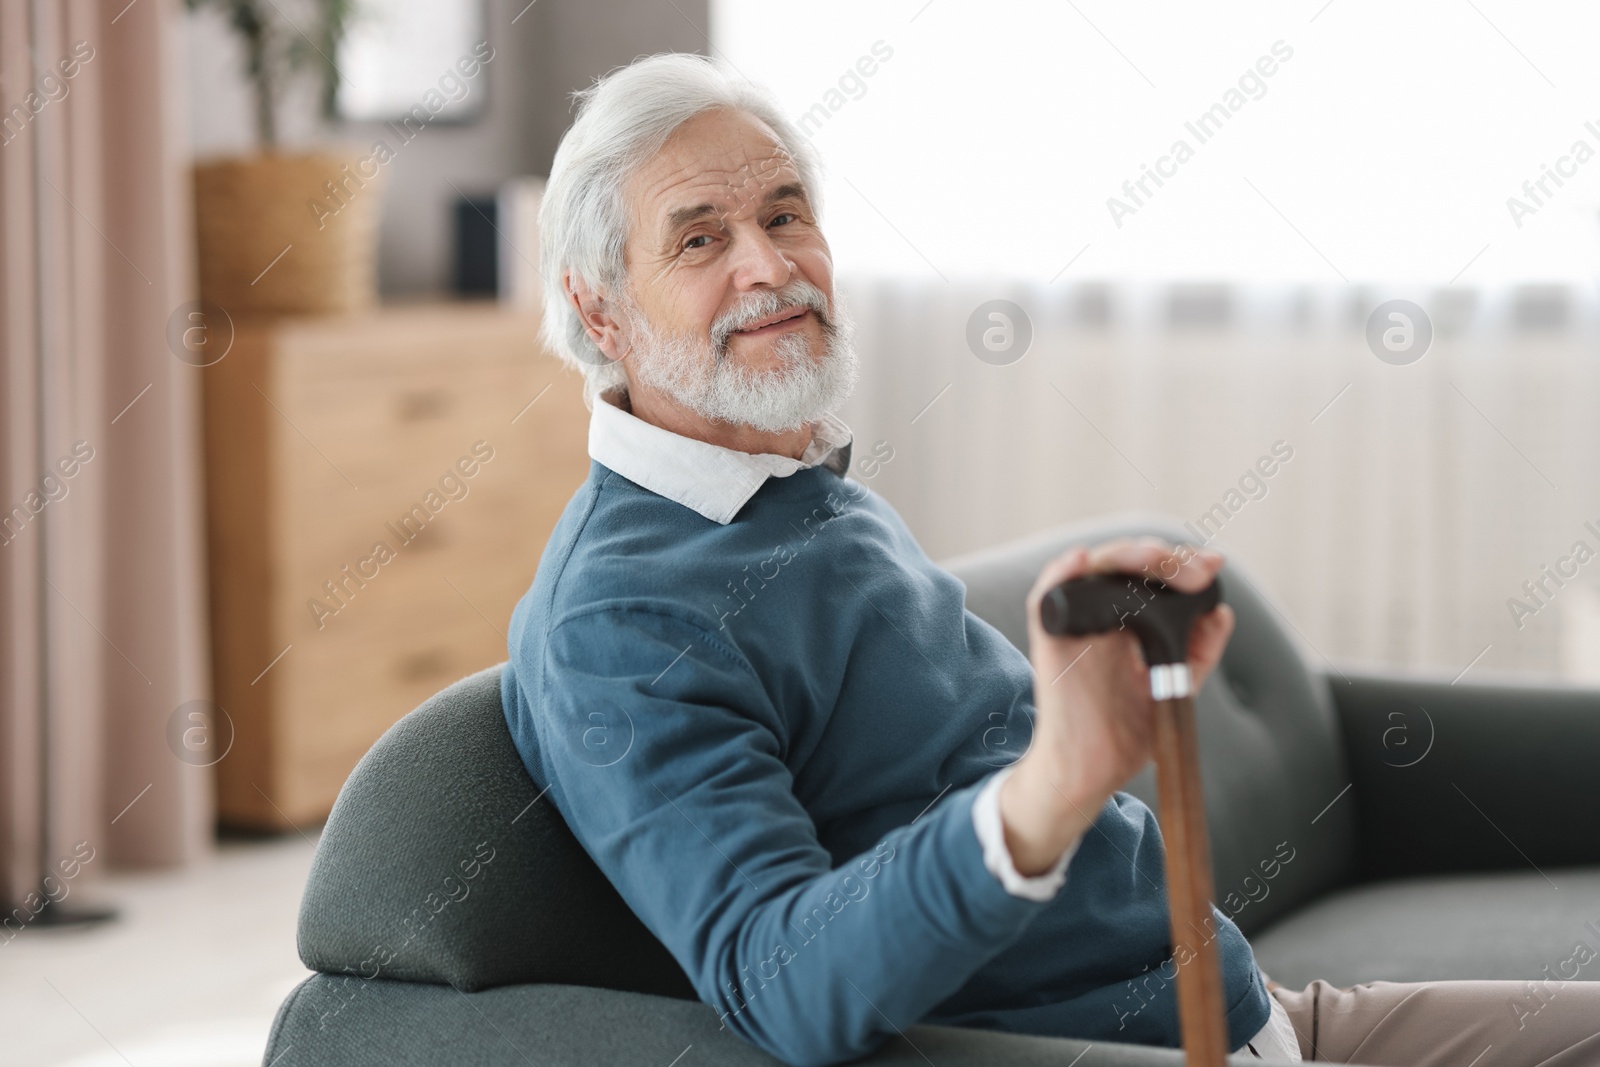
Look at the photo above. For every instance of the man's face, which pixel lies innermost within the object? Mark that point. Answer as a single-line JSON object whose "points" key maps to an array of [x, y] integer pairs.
{"points": [[719, 213]]}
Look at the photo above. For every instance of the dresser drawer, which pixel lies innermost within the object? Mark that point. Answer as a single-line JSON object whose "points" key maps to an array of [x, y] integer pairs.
{"points": [[345, 686], [410, 427], [505, 505]]}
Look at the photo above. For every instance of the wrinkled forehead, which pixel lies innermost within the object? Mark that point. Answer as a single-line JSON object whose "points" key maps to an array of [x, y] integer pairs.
{"points": [[730, 165]]}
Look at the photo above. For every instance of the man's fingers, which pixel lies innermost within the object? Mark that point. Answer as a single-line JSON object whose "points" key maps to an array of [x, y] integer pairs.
{"points": [[1210, 636], [1183, 567]]}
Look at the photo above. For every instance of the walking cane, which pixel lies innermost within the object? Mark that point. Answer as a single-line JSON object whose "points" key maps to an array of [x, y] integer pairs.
{"points": [[1160, 617]]}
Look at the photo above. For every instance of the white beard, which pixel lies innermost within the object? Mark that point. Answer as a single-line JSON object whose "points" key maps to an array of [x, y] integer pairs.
{"points": [[697, 373]]}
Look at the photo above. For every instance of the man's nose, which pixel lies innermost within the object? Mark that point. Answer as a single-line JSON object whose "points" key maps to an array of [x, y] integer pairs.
{"points": [[758, 261]]}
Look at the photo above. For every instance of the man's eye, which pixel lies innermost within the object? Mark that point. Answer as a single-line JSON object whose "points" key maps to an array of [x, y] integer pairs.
{"points": [[778, 219], [690, 243]]}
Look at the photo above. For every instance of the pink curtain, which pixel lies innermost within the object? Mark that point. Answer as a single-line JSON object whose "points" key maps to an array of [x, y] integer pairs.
{"points": [[102, 620]]}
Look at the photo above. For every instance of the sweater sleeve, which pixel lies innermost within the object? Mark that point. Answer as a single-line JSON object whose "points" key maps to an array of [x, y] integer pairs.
{"points": [[666, 756]]}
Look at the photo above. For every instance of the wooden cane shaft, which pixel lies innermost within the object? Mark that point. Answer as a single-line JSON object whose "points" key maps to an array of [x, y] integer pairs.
{"points": [[1188, 855]]}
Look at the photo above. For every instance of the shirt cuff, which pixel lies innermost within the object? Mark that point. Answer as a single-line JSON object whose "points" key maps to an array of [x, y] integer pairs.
{"points": [[1276, 1039], [997, 858]]}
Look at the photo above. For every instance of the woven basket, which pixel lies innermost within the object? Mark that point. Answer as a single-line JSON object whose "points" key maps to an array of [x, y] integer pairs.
{"points": [[283, 234]]}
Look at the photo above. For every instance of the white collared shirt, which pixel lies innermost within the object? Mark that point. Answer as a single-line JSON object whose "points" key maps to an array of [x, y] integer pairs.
{"points": [[706, 478]]}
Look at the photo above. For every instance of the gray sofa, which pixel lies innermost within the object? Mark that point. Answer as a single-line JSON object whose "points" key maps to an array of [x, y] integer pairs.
{"points": [[1363, 827]]}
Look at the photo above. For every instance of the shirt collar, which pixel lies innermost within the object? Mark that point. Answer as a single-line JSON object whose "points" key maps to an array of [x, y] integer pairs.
{"points": [[706, 478]]}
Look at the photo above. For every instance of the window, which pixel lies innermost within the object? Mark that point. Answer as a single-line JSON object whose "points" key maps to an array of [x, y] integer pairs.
{"points": [[1383, 147]]}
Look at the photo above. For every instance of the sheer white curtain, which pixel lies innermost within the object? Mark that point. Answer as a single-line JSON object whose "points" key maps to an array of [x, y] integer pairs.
{"points": [[973, 154], [1414, 502]]}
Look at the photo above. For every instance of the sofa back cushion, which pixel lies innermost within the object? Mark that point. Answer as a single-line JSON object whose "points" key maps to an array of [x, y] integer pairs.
{"points": [[440, 863]]}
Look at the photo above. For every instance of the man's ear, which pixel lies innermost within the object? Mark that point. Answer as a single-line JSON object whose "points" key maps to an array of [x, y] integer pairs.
{"points": [[600, 317]]}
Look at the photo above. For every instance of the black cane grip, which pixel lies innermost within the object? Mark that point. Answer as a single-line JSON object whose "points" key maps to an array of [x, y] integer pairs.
{"points": [[1159, 615]]}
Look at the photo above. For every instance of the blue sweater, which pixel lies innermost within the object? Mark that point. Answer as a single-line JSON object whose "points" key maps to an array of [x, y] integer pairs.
{"points": [[769, 735]]}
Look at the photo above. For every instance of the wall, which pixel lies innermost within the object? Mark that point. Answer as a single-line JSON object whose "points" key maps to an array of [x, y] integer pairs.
{"points": [[552, 48]]}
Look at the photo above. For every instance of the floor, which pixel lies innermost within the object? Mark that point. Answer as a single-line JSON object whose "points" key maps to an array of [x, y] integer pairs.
{"points": [[190, 973]]}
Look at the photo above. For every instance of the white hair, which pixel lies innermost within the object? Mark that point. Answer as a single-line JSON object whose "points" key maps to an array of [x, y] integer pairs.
{"points": [[623, 120]]}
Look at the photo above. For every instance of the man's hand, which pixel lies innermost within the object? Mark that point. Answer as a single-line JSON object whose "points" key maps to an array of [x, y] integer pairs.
{"points": [[1094, 719]]}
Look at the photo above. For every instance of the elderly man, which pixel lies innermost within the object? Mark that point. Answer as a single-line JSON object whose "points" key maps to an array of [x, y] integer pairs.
{"points": [[771, 720]]}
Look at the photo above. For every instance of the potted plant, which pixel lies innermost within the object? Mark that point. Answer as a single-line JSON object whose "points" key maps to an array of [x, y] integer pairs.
{"points": [[283, 232]]}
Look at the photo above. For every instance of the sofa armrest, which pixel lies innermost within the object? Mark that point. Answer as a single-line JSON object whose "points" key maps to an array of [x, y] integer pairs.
{"points": [[1470, 777]]}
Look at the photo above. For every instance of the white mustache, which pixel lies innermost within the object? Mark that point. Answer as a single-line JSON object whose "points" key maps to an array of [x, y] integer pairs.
{"points": [[795, 296]]}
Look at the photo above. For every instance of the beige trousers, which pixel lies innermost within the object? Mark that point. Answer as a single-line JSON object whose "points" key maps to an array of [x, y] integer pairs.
{"points": [[1447, 1024]]}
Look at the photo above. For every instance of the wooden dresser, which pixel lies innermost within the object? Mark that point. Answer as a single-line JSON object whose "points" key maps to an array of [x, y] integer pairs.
{"points": [[380, 488]]}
